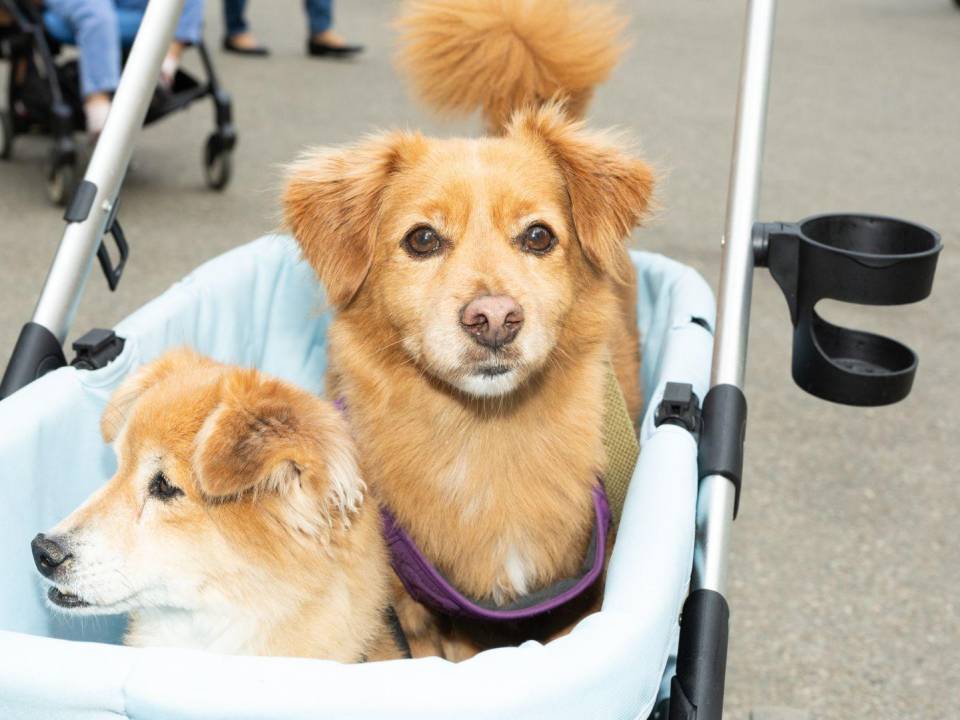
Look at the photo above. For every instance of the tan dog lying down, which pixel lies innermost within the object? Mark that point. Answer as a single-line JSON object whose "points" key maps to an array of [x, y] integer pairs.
{"points": [[235, 521], [483, 289]]}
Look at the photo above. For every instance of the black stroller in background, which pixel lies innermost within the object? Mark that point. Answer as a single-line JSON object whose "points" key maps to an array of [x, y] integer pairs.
{"points": [[43, 95]]}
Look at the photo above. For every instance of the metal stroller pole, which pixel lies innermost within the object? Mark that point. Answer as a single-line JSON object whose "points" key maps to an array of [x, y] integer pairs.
{"points": [[697, 688], [92, 212], [736, 276]]}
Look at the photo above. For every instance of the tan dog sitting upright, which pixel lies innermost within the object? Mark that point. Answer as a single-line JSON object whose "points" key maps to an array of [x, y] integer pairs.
{"points": [[235, 521], [482, 289]]}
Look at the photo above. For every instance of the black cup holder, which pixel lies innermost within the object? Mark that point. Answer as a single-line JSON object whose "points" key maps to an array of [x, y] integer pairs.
{"points": [[864, 259]]}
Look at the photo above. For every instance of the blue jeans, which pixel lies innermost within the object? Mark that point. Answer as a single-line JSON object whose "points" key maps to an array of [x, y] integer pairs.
{"points": [[97, 33], [319, 16]]}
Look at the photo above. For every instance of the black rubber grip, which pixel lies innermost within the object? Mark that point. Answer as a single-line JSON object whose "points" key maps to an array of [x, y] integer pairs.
{"points": [[697, 688], [724, 426]]}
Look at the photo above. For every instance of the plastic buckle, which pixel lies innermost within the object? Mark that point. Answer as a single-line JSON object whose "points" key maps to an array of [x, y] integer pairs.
{"points": [[96, 348], [679, 406], [112, 272]]}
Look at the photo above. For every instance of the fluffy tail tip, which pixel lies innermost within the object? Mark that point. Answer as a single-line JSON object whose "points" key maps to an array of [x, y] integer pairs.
{"points": [[501, 55]]}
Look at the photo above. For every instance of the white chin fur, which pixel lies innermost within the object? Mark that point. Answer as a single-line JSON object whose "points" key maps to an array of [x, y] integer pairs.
{"points": [[489, 386]]}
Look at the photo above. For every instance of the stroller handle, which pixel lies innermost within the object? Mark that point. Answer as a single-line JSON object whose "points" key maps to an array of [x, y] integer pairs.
{"points": [[64, 284], [697, 688], [93, 209]]}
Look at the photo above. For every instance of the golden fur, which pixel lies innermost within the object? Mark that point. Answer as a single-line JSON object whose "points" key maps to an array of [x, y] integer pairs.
{"points": [[491, 476], [491, 488], [268, 549], [502, 55]]}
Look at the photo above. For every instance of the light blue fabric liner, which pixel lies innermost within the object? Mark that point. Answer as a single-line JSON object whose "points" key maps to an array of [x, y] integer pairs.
{"points": [[260, 306]]}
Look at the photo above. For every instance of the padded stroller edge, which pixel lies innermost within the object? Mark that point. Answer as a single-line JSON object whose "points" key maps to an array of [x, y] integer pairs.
{"points": [[258, 305]]}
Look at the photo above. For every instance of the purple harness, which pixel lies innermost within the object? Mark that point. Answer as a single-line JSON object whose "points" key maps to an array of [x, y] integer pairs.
{"points": [[427, 585]]}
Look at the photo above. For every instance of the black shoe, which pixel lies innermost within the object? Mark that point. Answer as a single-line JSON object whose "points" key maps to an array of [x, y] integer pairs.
{"points": [[316, 49], [256, 51]]}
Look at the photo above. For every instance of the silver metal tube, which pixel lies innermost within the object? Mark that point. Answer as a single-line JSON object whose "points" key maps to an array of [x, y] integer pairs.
{"points": [[714, 525], [716, 498], [736, 269], [68, 274]]}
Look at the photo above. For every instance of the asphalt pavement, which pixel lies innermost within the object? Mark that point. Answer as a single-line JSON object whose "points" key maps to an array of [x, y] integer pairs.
{"points": [[844, 573]]}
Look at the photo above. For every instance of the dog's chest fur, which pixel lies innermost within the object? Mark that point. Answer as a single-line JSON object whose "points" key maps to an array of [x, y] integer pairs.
{"points": [[498, 496]]}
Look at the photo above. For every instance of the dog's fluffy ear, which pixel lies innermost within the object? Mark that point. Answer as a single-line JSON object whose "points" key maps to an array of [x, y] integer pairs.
{"points": [[267, 438], [610, 190], [117, 411], [331, 203]]}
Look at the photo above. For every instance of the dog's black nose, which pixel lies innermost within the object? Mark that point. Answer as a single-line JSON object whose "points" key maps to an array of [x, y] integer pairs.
{"points": [[48, 555]]}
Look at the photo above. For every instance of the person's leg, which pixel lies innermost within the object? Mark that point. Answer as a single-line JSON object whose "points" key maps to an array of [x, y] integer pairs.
{"points": [[97, 33], [189, 31], [190, 28], [323, 41], [94, 24], [319, 15], [237, 36], [234, 21]]}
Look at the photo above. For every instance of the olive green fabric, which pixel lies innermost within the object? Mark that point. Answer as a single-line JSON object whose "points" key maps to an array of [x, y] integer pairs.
{"points": [[619, 442]]}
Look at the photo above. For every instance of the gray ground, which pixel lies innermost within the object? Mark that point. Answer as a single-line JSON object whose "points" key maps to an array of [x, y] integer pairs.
{"points": [[844, 571]]}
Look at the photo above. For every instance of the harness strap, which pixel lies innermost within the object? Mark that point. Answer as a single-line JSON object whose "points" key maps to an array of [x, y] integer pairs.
{"points": [[427, 585], [620, 444]]}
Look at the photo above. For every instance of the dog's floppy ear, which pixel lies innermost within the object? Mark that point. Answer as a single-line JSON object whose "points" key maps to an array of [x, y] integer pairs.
{"points": [[331, 202], [117, 411], [610, 190], [268, 438]]}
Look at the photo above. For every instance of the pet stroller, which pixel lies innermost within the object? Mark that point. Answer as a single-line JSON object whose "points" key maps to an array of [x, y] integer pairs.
{"points": [[255, 306], [43, 95]]}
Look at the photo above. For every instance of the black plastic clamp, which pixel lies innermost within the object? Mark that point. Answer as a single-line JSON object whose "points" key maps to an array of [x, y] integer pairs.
{"points": [[679, 406], [696, 691], [36, 353], [724, 427], [96, 348], [79, 208], [112, 272]]}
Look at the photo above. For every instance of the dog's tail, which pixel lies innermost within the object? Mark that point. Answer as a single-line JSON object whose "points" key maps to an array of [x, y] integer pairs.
{"points": [[502, 55]]}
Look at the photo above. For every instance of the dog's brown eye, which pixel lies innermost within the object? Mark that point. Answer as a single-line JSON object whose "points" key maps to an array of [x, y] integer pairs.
{"points": [[162, 489], [423, 242], [537, 239]]}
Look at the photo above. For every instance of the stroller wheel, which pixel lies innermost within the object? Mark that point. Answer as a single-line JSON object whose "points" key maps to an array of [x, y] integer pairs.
{"points": [[217, 163], [61, 181], [6, 135]]}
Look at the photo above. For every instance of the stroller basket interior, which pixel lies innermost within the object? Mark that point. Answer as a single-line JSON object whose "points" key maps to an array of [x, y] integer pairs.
{"points": [[258, 305]]}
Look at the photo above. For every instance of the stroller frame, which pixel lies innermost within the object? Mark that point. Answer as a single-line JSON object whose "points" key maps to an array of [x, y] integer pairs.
{"points": [[870, 260], [28, 35], [697, 688]]}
